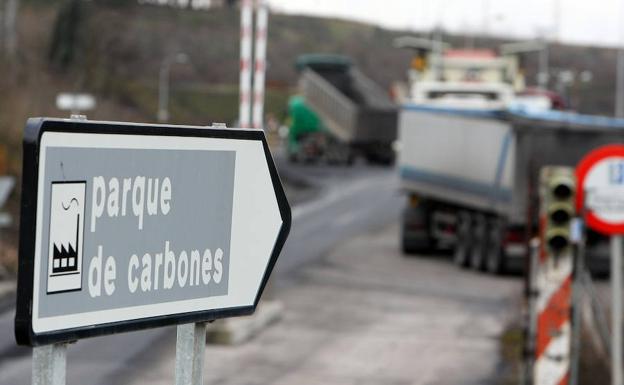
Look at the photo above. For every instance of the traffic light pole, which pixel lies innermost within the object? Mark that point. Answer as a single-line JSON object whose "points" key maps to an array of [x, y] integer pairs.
{"points": [[616, 309], [577, 230], [553, 279]]}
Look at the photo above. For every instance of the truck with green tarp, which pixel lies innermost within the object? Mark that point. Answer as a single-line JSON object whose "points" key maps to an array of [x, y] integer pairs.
{"points": [[356, 118]]}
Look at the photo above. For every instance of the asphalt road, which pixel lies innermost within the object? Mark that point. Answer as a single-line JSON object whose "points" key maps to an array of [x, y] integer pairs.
{"points": [[348, 201], [343, 251], [366, 314]]}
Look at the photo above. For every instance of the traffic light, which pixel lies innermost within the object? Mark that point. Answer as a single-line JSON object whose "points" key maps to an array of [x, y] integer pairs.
{"points": [[558, 194], [419, 62], [551, 278]]}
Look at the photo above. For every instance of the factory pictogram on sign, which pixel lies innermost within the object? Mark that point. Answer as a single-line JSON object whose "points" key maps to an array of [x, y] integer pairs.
{"points": [[66, 236]]}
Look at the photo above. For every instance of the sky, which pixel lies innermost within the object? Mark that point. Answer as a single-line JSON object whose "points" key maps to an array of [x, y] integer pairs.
{"points": [[595, 22]]}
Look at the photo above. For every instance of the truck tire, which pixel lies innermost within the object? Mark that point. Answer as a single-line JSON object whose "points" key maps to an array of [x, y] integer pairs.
{"points": [[336, 153], [462, 247], [478, 247], [419, 241], [411, 248], [350, 157], [495, 259]]}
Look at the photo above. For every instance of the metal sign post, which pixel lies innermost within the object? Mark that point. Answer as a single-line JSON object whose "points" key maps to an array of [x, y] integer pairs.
{"points": [[601, 177], [130, 226], [190, 348], [49, 363], [616, 309]]}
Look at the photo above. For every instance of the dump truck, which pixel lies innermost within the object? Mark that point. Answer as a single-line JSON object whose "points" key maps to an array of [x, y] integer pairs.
{"points": [[470, 148], [358, 117]]}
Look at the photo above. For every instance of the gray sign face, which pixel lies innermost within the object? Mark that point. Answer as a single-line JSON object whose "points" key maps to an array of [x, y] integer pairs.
{"points": [[127, 226], [135, 227]]}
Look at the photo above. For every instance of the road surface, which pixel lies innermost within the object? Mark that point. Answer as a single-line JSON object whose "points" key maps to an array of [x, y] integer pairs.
{"points": [[349, 202], [365, 314]]}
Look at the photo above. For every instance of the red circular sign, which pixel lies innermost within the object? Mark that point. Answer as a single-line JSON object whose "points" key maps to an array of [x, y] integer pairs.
{"points": [[602, 172]]}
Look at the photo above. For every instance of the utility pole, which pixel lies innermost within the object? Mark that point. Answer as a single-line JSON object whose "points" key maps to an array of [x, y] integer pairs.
{"points": [[617, 377], [543, 74], [486, 18], [619, 82], [557, 21], [163, 84]]}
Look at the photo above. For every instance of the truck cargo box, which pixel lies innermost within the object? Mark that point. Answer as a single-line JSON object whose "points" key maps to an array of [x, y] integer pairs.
{"points": [[489, 160]]}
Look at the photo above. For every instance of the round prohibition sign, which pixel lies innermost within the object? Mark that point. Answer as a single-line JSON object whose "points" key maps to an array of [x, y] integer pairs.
{"points": [[600, 177]]}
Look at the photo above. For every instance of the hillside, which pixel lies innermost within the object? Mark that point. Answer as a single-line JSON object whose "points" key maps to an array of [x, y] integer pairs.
{"points": [[114, 49], [115, 52]]}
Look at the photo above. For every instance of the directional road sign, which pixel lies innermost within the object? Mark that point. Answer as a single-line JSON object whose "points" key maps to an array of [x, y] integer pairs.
{"points": [[127, 226]]}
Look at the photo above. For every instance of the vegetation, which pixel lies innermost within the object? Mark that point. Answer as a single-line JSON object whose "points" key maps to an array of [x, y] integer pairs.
{"points": [[114, 50]]}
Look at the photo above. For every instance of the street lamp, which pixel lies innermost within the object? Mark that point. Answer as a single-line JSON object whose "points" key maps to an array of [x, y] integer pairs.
{"points": [[163, 84]]}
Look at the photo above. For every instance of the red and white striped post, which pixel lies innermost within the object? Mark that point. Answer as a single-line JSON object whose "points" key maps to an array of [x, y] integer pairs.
{"points": [[244, 112], [262, 23], [553, 279], [553, 332]]}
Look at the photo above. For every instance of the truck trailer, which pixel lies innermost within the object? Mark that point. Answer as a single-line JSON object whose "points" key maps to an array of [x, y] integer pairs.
{"points": [[471, 144], [471, 179]]}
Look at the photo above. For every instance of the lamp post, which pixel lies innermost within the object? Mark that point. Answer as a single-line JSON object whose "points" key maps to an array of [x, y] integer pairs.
{"points": [[163, 84]]}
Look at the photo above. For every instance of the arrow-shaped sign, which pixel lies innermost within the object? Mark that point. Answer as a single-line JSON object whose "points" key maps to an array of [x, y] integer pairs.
{"points": [[128, 226]]}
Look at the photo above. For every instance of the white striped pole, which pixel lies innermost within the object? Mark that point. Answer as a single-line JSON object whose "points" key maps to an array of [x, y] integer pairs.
{"points": [[262, 16], [244, 112], [553, 334]]}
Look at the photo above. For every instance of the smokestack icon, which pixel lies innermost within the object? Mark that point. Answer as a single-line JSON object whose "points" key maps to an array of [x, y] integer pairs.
{"points": [[65, 260], [67, 211]]}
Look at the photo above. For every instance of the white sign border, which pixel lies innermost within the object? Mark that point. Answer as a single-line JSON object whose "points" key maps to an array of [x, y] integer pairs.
{"points": [[248, 258]]}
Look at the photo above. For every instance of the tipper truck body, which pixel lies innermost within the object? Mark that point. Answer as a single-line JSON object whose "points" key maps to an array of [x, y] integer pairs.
{"points": [[359, 117]]}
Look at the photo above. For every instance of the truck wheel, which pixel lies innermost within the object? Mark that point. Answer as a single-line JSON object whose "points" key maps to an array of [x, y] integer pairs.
{"points": [[495, 262], [349, 158], [462, 247], [479, 242], [415, 236], [410, 247]]}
